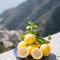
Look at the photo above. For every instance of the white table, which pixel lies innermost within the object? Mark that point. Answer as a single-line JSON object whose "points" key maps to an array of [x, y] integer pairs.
{"points": [[55, 52]]}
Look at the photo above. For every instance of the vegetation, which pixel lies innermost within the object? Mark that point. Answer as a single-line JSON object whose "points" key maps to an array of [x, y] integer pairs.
{"points": [[33, 28]]}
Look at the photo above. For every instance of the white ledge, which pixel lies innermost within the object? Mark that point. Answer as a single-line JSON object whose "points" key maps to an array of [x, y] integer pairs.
{"points": [[55, 45]]}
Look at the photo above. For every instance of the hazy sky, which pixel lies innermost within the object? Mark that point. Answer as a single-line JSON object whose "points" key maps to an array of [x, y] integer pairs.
{"points": [[5, 4]]}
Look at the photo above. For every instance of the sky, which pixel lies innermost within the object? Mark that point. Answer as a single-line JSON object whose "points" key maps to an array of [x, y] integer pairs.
{"points": [[6, 4]]}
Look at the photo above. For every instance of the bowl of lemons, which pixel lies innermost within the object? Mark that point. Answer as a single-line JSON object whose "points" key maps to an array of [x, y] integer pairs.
{"points": [[30, 47], [33, 45]]}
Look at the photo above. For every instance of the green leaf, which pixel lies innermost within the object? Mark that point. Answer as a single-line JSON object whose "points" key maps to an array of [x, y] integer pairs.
{"points": [[28, 27], [40, 40], [49, 37], [37, 33], [34, 26], [21, 36], [29, 31]]}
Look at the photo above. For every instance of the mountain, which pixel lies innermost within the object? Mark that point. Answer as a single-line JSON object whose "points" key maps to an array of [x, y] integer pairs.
{"points": [[44, 12]]}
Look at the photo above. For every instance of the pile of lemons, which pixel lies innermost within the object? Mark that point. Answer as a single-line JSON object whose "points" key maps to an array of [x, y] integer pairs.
{"points": [[29, 47]]}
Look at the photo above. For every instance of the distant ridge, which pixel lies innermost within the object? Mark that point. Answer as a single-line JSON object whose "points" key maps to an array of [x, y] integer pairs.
{"points": [[44, 12]]}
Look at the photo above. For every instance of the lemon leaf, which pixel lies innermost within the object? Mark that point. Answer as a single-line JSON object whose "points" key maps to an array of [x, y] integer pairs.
{"points": [[41, 41], [21, 36], [49, 37]]}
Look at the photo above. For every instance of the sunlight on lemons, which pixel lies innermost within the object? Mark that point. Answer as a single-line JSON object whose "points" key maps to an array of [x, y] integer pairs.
{"points": [[30, 38], [46, 49], [21, 44], [23, 52], [30, 47], [37, 53]]}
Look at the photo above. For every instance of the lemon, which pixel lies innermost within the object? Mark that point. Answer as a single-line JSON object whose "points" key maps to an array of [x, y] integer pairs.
{"points": [[30, 47], [46, 49], [37, 53], [23, 52], [30, 38], [21, 44]]}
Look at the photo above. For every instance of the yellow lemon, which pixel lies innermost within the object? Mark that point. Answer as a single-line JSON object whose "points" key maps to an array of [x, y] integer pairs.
{"points": [[37, 53], [30, 47], [30, 38], [46, 49], [21, 44], [23, 52]]}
